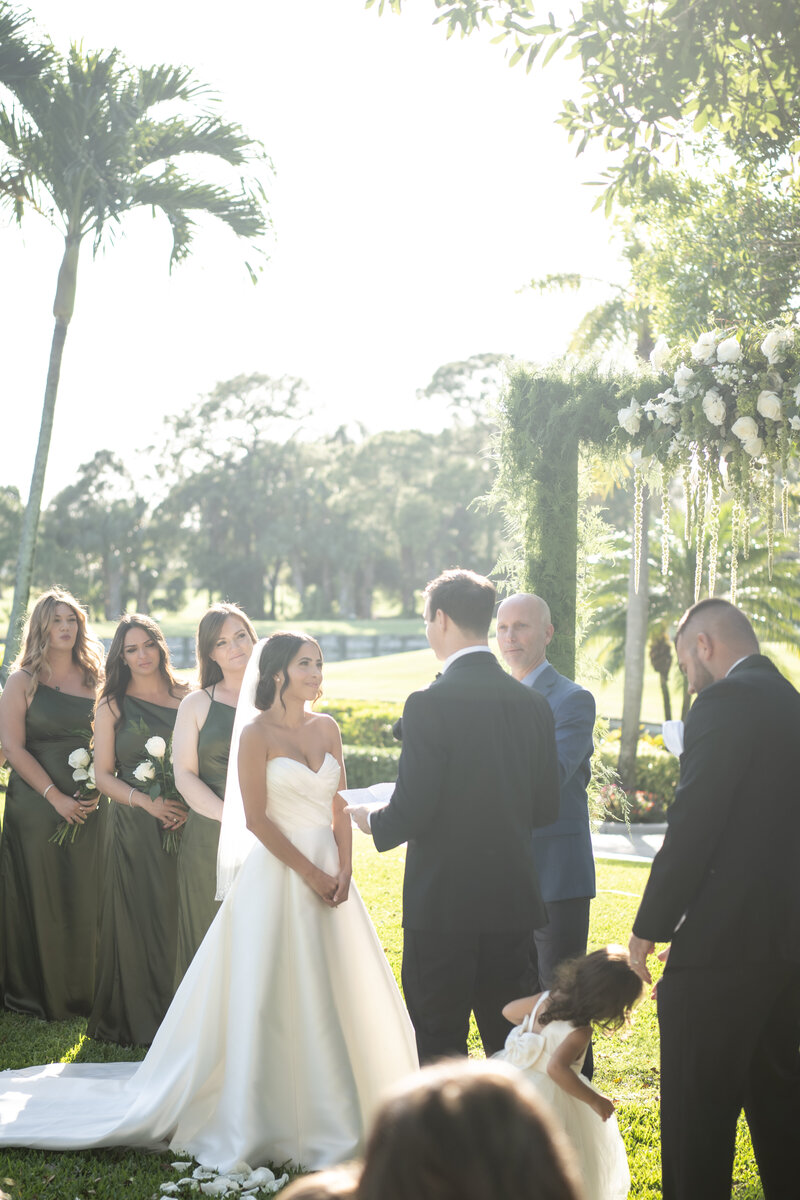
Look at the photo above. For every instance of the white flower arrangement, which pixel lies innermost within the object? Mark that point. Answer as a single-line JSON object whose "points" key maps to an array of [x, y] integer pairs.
{"points": [[726, 416]]}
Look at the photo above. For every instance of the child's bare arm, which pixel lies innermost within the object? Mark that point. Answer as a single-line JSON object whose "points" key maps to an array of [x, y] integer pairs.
{"points": [[560, 1070], [516, 1010]]}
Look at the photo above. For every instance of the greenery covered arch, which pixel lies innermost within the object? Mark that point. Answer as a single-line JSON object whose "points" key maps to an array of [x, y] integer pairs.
{"points": [[545, 416]]}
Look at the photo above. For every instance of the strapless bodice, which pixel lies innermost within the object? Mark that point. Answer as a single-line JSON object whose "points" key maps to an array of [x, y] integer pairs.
{"points": [[297, 797]]}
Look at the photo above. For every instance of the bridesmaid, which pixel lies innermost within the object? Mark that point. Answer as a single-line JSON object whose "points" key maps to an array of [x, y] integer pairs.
{"points": [[49, 894], [138, 927], [225, 640]]}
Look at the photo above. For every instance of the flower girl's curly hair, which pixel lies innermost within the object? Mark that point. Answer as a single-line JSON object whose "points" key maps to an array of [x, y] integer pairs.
{"points": [[278, 652], [87, 653], [599, 989]]}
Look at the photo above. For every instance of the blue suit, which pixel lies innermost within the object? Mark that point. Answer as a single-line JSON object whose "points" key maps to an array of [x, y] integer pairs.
{"points": [[562, 852]]}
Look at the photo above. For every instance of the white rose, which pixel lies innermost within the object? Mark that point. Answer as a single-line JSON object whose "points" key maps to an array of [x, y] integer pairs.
{"points": [[795, 423], [683, 375], [714, 407], [729, 351], [144, 771], [630, 418], [79, 758], [156, 746], [659, 354], [774, 345], [753, 446], [769, 405], [90, 774], [704, 347], [744, 428], [79, 775]]}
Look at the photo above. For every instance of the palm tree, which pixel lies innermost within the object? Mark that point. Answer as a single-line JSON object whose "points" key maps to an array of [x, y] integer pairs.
{"points": [[83, 142], [772, 602]]}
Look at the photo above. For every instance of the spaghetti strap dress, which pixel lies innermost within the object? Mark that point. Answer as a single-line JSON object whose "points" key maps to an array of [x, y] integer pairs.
{"points": [[49, 894], [139, 920], [197, 854]]}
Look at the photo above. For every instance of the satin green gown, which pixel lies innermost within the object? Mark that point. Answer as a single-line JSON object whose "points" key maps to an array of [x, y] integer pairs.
{"points": [[49, 895], [197, 855], [139, 918]]}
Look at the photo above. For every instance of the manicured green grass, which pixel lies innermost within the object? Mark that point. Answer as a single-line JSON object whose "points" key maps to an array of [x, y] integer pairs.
{"points": [[626, 1064]]}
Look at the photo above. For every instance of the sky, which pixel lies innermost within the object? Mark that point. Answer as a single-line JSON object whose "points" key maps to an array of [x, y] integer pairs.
{"points": [[419, 184]]}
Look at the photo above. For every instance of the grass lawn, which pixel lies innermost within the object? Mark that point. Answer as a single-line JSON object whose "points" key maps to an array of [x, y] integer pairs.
{"points": [[626, 1064]]}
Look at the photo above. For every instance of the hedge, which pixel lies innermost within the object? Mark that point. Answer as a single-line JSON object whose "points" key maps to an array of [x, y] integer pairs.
{"points": [[364, 723]]}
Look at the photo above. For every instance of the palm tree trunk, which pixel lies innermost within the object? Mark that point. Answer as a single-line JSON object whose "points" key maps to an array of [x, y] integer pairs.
{"points": [[30, 522], [635, 650]]}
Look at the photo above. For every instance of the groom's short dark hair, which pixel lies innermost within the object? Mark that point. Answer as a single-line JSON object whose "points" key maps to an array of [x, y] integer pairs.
{"points": [[466, 597]]}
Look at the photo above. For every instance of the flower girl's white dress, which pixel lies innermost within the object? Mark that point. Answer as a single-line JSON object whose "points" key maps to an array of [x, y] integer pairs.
{"points": [[597, 1143], [285, 1031]]}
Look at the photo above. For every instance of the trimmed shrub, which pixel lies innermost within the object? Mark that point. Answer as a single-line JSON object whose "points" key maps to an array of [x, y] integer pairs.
{"points": [[370, 764], [364, 722]]}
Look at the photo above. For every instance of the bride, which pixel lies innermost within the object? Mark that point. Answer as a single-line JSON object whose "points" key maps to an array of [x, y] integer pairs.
{"points": [[288, 1025]]}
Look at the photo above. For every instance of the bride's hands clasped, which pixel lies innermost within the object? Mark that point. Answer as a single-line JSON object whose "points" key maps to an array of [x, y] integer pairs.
{"points": [[332, 889]]}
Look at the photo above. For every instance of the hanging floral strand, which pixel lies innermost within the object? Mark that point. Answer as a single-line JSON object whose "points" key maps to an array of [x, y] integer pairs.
{"points": [[638, 507], [713, 541], [736, 517], [700, 533], [664, 521], [768, 515]]}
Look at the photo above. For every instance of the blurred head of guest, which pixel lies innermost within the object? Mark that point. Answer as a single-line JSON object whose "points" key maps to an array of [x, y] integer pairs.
{"points": [[462, 1130]]}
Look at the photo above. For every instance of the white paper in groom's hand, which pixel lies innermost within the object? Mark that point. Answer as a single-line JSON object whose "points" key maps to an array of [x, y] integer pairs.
{"points": [[672, 732], [374, 796]]}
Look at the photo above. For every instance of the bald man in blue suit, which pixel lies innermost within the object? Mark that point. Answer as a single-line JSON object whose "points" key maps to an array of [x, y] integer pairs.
{"points": [[562, 851]]}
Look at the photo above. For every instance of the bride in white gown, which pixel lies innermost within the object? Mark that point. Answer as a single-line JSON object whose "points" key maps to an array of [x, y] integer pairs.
{"points": [[288, 1025]]}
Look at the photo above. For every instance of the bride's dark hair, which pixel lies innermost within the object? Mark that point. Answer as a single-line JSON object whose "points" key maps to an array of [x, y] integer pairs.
{"points": [[278, 652]]}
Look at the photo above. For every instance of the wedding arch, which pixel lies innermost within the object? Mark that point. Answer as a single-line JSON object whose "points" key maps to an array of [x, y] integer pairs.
{"points": [[720, 412]]}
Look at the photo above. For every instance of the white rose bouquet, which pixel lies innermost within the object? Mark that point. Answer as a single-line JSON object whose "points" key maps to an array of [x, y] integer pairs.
{"points": [[82, 763], [157, 775]]}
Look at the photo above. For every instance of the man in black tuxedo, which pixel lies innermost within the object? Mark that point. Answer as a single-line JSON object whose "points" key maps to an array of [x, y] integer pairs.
{"points": [[477, 773], [725, 890]]}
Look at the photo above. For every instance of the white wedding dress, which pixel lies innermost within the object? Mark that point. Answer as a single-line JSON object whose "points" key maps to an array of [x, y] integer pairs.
{"points": [[284, 1033]]}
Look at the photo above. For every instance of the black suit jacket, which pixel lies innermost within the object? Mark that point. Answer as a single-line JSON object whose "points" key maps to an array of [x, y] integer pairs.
{"points": [[731, 856], [477, 773]]}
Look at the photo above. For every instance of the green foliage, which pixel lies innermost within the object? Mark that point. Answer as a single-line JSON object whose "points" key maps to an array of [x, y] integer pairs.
{"points": [[363, 723], [366, 765], [544, 415], [654, 72], [715, 247], [657, 775]]}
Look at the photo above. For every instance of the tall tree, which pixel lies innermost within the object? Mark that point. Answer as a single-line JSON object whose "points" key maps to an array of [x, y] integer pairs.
{"points": [[83, 142], [654, 71]]}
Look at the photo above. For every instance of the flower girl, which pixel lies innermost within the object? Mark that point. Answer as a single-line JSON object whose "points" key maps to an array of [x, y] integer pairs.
{"points": [[549, 1044]]}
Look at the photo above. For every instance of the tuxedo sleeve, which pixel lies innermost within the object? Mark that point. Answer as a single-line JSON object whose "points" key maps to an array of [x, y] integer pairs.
{"points": [[574, 720], [420, 776], [717, 748]]}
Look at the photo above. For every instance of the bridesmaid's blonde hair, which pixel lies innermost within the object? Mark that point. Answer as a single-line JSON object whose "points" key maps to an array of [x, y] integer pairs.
{"points": [[87, 653]]}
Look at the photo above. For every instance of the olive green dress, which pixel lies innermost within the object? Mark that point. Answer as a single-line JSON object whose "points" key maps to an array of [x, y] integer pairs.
{"points": [[139, 919], [49, 895], [197, 856]]}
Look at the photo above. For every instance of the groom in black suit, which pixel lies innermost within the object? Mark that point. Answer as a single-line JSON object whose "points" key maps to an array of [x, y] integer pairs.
{"points": [[725, 890], [477, 773]]}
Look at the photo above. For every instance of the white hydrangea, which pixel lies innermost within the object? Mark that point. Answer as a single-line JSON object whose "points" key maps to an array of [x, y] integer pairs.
{"points": [[714, 407]]}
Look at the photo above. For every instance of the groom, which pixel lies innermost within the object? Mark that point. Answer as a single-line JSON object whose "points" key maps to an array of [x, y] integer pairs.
{"points": [[478, 771]]}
